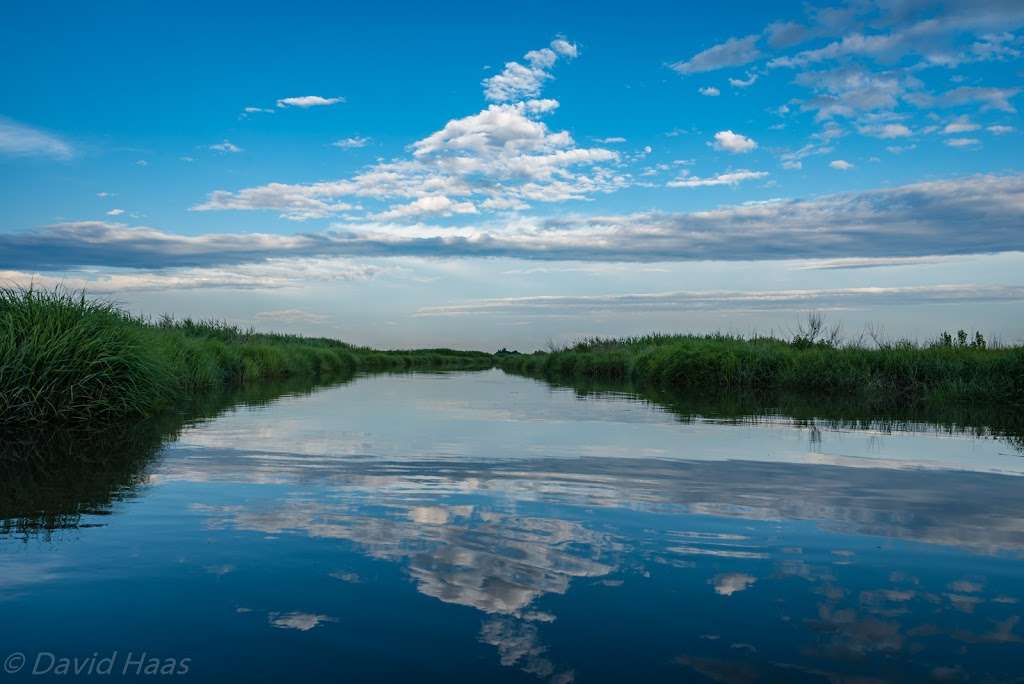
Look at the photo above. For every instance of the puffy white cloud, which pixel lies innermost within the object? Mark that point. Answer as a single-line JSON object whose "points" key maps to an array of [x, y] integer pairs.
{"points": [[351, 143], [517, 81], [887, 131], [736, 143], [499, 158], [733, 52], [19, 140], [431, 204], [840, 164], [226, 146], [565, 48], [115, 212], [962, 124], [307, 101], [710, 91], [730, 178]]}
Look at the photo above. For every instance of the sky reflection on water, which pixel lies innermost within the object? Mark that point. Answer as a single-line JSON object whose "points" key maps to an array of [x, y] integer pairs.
{"points": [[480, 527]]}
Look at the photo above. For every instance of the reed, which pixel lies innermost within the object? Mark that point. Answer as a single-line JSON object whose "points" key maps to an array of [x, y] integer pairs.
{"points": [[886, 374], [69, 359]]}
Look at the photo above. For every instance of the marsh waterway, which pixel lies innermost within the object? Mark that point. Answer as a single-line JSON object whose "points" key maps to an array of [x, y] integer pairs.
{"points": [[482, 527]]}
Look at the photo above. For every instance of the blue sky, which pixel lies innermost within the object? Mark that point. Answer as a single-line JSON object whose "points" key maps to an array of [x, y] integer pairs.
{"points": [[403, 174]]}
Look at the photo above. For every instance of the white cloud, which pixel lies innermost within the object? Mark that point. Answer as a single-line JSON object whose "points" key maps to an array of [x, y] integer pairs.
{"points": [[1000, 130], [115, 212], [518, 81], [962, 142], [226, 146], [731, 178], [733, 52], [793, 164], [733, 300], [500, 158], [291, 316], [565, 48], [19, 140], [258, 110], [351, 143], [887, 131], [733, 142], [307, 101], [432, 204], [840, 164], [710, 91], [962, 124], [957, 216], [610, 141], [743, 83]]}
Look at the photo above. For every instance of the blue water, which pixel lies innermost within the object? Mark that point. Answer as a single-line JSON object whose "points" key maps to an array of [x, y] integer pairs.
{"points": [[480, 527]]}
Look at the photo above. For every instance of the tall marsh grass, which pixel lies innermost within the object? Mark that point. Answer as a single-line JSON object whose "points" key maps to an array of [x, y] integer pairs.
{"points": [[65, 358], [888, 374]]}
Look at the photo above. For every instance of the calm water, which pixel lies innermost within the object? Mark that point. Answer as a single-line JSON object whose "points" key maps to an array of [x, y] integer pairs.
{"points": [[484, 528]]}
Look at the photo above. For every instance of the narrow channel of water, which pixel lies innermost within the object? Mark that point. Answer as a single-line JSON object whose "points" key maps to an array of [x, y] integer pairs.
{"points": [[484, 527]]}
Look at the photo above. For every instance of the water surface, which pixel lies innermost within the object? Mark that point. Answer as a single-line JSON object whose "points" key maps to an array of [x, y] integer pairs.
{"points": [[481, 527]]}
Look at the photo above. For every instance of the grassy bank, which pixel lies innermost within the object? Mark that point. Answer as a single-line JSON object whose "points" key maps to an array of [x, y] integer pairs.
{"points": [[68, 359], [885, 375]]}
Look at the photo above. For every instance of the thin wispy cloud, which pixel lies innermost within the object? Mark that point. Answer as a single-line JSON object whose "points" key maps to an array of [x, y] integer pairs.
{"points": [[21, 140], [767, 300]]}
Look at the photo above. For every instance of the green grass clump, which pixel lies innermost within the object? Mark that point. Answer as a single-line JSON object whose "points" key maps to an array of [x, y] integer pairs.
{"points": [[885, 375], [68, 359]]}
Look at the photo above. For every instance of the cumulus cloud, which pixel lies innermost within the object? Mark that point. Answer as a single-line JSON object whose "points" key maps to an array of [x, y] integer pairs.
{"points": [[307, 101], [709, 91], [1000, 129], [972, 215], [685, 180], [733, 142], [840, 165], [502, 157], [431, 204], [733, 52], [517, 81], [19, 140], [887, 131], [962, 124], [757, 300]]}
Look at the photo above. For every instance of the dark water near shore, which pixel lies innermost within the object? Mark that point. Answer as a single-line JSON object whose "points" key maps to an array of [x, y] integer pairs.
{"points": [[481, 527]]}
